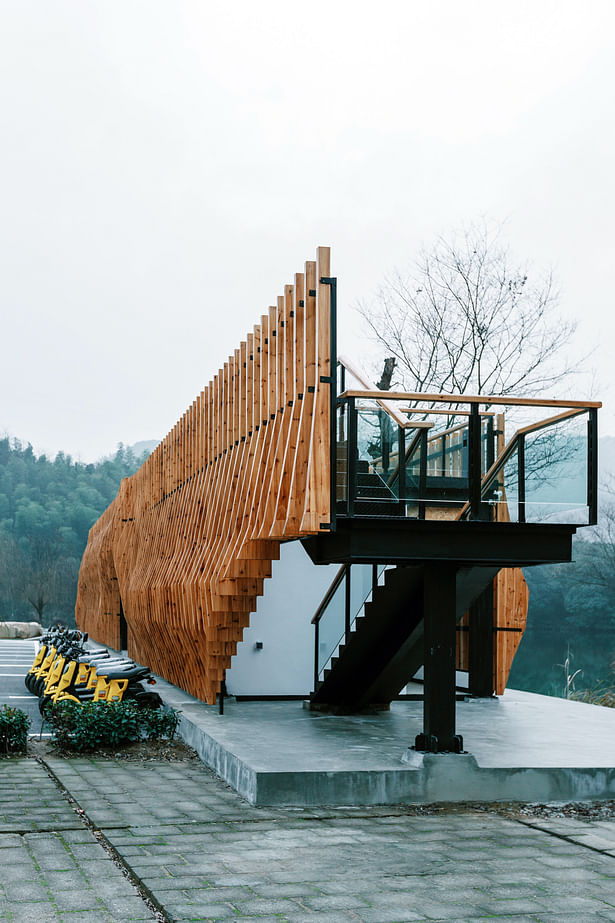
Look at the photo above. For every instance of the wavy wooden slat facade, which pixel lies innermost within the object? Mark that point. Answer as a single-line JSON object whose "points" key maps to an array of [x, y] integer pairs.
{"points": [[191, 537], [511, 598]]}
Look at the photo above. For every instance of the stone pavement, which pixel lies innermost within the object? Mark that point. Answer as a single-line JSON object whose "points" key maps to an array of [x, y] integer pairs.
{"points": [[15, 660], [173, 832], [52, 867]]}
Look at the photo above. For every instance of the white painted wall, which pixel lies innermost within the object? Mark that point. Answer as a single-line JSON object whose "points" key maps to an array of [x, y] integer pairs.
{"points": [[282, 621]]}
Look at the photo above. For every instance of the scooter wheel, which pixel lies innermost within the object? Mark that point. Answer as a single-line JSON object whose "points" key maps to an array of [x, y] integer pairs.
{"points": [[148, 700]]}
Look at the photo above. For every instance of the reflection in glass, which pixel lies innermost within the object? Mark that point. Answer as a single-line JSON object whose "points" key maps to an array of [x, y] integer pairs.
{"points": [[331, 627], [332, 624], [556, 473]]}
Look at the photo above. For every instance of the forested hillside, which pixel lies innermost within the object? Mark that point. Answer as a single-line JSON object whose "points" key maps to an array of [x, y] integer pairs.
{"points": [[572, 611], [47, 507], [46, 510]]}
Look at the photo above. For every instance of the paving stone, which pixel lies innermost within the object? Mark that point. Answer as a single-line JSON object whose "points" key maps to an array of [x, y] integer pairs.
{"points": [[261, 906], [125, 906], [329, 902], [25, 891], [34, 913], [9, 841], [299, 889], [64, 881], [380, 915], [337, 916], [261, 919], [181, 910], [209, 855], [79, 899], [170, 883], [224, 895]]}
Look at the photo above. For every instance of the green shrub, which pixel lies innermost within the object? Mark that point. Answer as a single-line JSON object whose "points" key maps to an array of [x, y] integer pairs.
{"points": [[14, 727], [96, 724], [159, 722]]}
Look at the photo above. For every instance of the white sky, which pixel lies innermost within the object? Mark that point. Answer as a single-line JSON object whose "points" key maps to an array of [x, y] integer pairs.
{"points": [[166, 167]]}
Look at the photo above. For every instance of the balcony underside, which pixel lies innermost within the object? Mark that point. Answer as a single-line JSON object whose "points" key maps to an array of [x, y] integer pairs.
{"points": [[364, 540]]}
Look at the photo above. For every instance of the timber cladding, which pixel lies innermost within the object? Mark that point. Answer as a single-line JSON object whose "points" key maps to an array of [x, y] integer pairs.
{"points": [[190, 538]]}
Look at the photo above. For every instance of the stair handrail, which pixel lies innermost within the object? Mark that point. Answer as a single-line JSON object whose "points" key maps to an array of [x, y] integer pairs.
{"points": [[343, 575], [329, 594]]}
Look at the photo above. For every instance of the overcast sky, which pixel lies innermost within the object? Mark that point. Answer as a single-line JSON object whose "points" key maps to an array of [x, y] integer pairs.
{"points": [[166, 166]]}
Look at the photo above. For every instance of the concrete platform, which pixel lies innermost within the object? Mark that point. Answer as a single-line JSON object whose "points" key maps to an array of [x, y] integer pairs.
{"points": [[521, 747]]}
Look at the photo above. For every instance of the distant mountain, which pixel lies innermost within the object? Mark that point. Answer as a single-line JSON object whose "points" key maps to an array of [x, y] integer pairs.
{"points": [[135, 451], [146, 445]]}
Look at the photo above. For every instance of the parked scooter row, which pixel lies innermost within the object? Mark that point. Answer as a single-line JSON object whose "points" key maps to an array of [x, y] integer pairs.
{"points": [[64, 670]]}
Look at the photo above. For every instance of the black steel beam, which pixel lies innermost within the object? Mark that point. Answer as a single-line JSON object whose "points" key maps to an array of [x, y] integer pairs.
{"points": [[363, 540]]}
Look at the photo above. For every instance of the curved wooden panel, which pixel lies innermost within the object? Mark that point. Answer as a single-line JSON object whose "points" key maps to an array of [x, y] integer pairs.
{"points": [[512, 597], [190, 538]]}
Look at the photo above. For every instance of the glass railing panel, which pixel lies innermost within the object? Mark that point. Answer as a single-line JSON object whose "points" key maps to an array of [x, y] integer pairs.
{"points": [[341, 470], [332, 623], [401, 469], [441, 482], [556, 473], [332, 626], [447, 454], [502, 495], [360, 587], [377, 455]]}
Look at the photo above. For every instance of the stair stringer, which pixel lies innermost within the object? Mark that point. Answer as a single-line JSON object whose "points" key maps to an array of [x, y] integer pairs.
{"points": [[471, 581], [386, 648]]}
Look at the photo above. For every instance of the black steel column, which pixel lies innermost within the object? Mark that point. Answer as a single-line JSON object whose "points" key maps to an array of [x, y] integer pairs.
{"points": [[352, 455], [347, 587], [521, 479], [332, 379], [422, 474], [316, 651], [401, 479], [439, 612], [592, 466], [481, 645], [123, 629], [474, 461]]}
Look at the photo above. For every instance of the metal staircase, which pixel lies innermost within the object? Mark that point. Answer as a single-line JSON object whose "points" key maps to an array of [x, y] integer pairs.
{"points": [[428, 503], [383, 646]]}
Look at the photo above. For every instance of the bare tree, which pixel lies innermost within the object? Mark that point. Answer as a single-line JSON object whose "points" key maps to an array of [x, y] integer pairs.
{"points": [[468, 320], [37, 572], [599, 545]]}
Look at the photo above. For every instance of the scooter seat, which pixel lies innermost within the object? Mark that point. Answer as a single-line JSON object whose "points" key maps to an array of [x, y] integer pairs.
{"points": [[124, 672]]}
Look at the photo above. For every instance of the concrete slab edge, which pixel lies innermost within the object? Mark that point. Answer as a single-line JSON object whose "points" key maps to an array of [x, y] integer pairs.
{"points": [[421, 778], [229, 767]]}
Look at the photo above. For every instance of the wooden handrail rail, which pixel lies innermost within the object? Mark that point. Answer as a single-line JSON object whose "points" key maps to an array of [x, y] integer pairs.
{"points": [[329, 594], [500, 400]]}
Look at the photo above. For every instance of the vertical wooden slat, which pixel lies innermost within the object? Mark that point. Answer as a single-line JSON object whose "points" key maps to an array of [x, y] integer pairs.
{"points": [[190, 535]]}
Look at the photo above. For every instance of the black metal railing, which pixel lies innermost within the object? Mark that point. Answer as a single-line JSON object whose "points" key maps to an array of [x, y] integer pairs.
{"points": [[386, 467], [548, 472], [336, 616], [395, 460]]}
